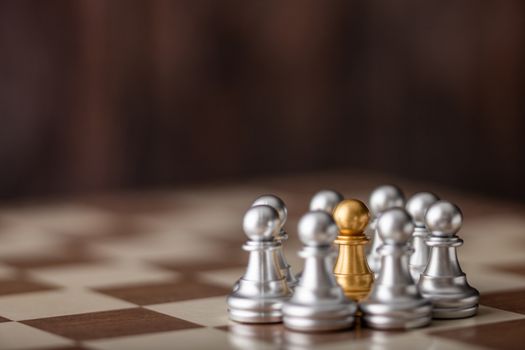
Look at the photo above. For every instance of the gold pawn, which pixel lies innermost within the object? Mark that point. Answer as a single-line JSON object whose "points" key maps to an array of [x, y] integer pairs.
{"points": [[351, 268]]}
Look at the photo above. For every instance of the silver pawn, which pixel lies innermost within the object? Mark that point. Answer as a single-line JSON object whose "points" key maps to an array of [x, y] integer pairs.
{"points": [[417, 206], [259, 294], [443, 281], [318, 303], [395, 302], [382, 198], [278, 204], [326, 200]]}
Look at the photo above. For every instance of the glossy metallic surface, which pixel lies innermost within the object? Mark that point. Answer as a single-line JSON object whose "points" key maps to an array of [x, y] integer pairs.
{"points": [[316, 229], [443, 281], [259, 294], [274, 202], [443, 219], [386, 197], [279, 205], [260, 223], [382, 198], [325, 200], [394, 302], [318, 302], [417, 207], [351, 269], [351, 217]]}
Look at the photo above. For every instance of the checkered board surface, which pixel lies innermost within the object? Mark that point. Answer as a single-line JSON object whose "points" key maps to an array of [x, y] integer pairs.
{"points": [[151, 271]]}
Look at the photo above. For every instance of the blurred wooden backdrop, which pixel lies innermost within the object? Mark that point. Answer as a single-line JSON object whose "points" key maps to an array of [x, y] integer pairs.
{"points": [[96, 95]]}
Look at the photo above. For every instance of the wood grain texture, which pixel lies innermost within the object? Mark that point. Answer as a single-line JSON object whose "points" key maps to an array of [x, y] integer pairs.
{"points": [[20, 285], [109, 324], [503, 335], [508, 300], [122, 94], [165, 292]]}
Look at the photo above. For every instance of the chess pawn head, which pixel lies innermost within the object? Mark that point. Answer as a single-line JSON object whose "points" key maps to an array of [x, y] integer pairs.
{"points": [[325, 200], [274, 202], [351, 217], [395, 226], [443, 219], [351, 269], [317, 229], [260, 223], [386, 197], [418, 205]]}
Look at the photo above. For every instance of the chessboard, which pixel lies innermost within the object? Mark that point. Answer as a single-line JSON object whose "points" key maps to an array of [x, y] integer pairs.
{"points": [[151, 270]]}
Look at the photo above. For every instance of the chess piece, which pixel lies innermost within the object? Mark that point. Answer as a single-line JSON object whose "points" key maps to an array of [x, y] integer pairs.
{"points": [[318, 302], [443, 281], [351, 269], [260, 293], [417, 206], [278, 204], [325, 200], [394, 302], [382, 198]]}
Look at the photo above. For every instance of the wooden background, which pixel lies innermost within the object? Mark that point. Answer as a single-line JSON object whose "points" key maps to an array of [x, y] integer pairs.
{"points": [[98, 95]]}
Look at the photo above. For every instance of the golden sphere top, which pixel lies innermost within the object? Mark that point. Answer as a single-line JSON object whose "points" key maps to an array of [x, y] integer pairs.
{"points": [[351, 217]]}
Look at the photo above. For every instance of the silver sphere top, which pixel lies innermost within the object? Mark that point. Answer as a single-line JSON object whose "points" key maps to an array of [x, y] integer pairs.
{"points": [[418, 205], [443, 219], [274, 202], [317, 228], [326, 200], [386, 197], [261, 222], [395, 226]]}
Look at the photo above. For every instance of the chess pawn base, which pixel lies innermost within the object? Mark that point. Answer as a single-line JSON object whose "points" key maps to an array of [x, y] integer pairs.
{"points": [[256, 299], [247, 310], [318, 305], [445, 284], [410, 314], [452, 297], [395, 302], [325, 318]]}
